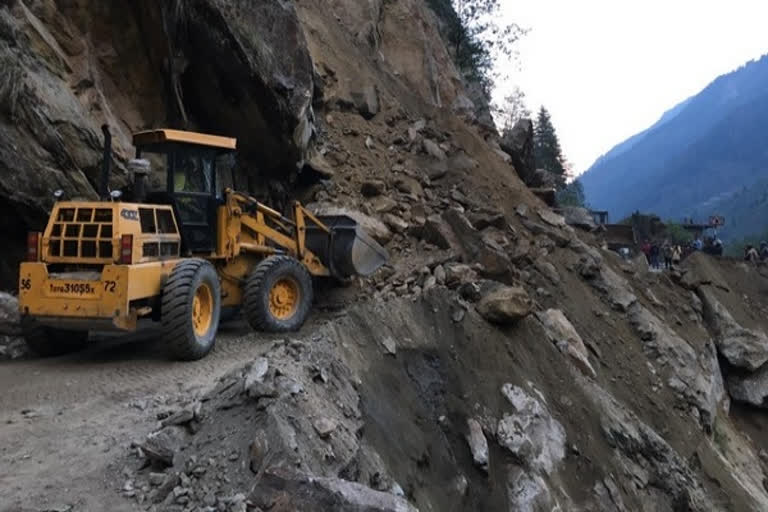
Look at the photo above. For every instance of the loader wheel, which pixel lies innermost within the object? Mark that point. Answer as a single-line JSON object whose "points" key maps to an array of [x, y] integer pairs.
{"points": [[278, 295], [191, 309], [48, 341]]}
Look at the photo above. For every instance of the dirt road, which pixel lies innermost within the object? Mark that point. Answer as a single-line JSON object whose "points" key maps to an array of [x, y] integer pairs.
{"points": [[65, 422]]}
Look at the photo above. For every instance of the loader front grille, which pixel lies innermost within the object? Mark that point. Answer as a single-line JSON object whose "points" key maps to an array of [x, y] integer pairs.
{"points": [[83, 233]]}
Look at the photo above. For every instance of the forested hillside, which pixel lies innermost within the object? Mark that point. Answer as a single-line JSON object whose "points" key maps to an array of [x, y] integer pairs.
{"points": [[697, 159]]}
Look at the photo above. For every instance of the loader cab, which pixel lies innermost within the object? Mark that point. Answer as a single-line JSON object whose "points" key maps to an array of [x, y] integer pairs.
{"points": [[197, 169]]}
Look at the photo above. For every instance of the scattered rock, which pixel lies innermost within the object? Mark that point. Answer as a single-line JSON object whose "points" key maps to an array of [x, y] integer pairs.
{"points": [[433, 150], [410, 186], [389, 345], [366, 101], [480, 221], [372, 188], [548, 270], [478, 444], [744, 348], [564, 335], [181, 417], [395, 223], [256, 373], [324, 427], [458, 273], [578, 217], [695, 377], [321, 166], [750, 388], [551, 218], [162, 446], [383, 204], [437, 232], [310, 494], [440, 275], [10, 318], [505, 305], [530, 432]]}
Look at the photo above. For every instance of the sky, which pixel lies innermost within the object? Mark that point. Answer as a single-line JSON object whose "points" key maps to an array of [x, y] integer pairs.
{"points": [[607, 69]]}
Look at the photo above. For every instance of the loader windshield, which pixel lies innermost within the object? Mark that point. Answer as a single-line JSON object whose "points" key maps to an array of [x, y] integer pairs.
{"points": [[193, 173]]}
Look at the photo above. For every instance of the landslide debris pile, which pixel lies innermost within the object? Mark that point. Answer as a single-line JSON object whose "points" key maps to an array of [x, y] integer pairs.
{"points": [[501, 361]]}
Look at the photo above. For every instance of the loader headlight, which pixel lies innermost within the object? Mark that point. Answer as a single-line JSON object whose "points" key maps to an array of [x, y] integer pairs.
{"points": [[116, 194], [58, 194]]}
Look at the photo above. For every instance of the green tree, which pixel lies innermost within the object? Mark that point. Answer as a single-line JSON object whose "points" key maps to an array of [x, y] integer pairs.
{"points": [[572, 194], [512, 110], [477, 37], [546, 147]]}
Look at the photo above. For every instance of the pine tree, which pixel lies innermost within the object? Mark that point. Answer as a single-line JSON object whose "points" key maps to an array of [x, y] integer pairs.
{"points": [[572, 195], [546, 147]]}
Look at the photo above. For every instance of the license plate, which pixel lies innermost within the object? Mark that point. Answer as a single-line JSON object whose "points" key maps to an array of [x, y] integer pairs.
{"points": [[75, 289]]}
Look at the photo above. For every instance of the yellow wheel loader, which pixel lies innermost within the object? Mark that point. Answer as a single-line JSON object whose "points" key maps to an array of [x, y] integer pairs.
{"points": [[180, 255]]}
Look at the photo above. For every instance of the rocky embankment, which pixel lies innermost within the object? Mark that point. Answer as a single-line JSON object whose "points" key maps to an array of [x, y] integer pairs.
{"points": [[501, 361]]}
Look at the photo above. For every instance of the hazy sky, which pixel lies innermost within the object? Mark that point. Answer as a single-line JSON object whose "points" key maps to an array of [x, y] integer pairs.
{"points": [[607, 69]]}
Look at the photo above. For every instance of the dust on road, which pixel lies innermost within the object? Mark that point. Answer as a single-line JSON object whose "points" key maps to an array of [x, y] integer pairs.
{"points": [[65, 421]]}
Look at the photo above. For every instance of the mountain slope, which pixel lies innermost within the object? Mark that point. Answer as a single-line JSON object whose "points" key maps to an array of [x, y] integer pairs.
{"points": [[700, 153]]}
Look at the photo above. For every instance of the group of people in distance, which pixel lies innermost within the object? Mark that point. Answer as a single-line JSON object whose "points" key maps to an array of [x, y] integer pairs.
{"points": [[665, 255], [754, 255]]}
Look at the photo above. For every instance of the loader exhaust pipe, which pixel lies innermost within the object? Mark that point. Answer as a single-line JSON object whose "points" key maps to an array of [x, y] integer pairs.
{"points": [[105, 165]]}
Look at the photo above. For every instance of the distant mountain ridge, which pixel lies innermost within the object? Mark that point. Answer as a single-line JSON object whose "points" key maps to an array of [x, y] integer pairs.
{"points": [[697, 159]]}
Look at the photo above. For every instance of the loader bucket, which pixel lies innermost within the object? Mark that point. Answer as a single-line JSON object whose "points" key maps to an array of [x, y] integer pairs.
{"points": [[348, 250]]}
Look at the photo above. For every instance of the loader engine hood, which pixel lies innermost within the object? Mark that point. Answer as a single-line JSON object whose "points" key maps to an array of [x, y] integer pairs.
{"points": [[96, 233]]}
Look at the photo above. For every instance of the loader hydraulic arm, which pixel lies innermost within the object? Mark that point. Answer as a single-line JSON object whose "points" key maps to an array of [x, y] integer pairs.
{"points": [[269, 232]]}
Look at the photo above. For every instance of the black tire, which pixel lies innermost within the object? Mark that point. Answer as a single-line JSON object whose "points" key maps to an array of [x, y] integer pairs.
{"points": [[177, 309], [261, 281], [48, 341]]}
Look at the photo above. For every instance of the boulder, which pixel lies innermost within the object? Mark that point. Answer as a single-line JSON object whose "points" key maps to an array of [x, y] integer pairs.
{"points": [[750, 388], [741, 347], [437, 232], [695, 377], [366, 100], [372, 188], [473, 247], [548, 270], [10, 318], [530, 432], [480, 220], [397, 224], [320, 166], [478, 444], [383, 204], [505, 305], [518, 143], [563, 334], [503, 155], [615, 287], [578, 217], [457, 274], [410, 186], [699, 270], [163, 445], [293, 491], [555, 234], [433, 149], [552, 218]]}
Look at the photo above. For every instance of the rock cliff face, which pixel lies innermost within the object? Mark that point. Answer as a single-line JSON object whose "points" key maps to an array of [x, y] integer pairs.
{"points": [[501, 361]]}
